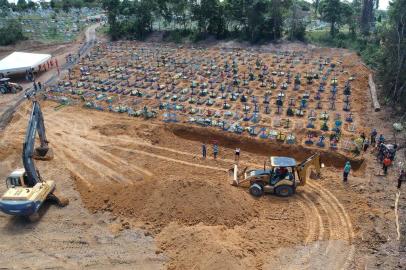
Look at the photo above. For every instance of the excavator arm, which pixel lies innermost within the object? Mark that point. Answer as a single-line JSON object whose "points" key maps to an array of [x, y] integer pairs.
{"points": [[36, 123], [303, 167]]}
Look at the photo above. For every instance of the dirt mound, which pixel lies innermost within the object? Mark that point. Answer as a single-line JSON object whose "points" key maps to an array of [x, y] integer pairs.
{"points": [[143, 131], [113, 129], [161, 201]]}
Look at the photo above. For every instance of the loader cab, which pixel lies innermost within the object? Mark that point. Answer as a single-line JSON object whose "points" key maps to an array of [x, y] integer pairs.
{"points": [[278, 176], [16, 179], [282, 168]]}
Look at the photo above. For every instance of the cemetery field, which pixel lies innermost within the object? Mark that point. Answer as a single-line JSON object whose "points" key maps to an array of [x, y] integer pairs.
{"points": [[127, 125], [315, 98], [49, 27]]}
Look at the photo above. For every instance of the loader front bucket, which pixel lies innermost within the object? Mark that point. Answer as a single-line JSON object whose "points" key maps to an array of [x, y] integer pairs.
{"points": [[233, 175]]}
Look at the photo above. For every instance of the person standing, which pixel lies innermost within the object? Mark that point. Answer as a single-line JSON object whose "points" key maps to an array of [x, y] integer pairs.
{"points": [[374, 133], [363, 137], [381, 139], [39, 86], [204, 151], [366, 145], [215, 150], [386, 163], [237, 154], [347, 169], [402, 178]]}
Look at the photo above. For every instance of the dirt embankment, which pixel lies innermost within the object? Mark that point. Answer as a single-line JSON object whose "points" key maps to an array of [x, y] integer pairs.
{"points": [[261, 147], [160, 201]]}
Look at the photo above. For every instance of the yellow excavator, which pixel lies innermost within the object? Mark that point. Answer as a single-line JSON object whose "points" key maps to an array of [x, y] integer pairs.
{"points": [[280, 175]]}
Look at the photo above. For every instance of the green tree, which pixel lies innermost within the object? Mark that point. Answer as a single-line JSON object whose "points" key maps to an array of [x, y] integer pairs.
{"points": [[11, 33], [367, 15], [45, 5], [392, 71], [52, 4], [210, 17], [296, 22], [236, 13], [259, 25], [316, 4], [4, 7], [278, 10], [349, 17], [332, 12], [21, 5], [31, 5], [113, 8], [4, 4]]}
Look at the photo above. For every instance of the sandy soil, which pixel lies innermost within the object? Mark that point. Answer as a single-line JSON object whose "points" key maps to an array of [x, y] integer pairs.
{"points": [[150, 194], [142, 198]]}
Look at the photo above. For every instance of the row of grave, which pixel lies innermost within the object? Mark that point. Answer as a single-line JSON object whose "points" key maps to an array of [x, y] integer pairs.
{"points": [[235, 122]]}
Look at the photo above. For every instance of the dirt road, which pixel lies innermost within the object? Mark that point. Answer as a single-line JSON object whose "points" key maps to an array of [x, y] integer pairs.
{"points": [[9, 103]]}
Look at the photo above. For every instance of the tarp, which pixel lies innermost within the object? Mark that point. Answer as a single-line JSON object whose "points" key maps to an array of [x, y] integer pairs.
{"points": [[19, 62]]}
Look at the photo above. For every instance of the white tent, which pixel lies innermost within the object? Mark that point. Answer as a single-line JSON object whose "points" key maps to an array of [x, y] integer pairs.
{"points": [[19, 62]]}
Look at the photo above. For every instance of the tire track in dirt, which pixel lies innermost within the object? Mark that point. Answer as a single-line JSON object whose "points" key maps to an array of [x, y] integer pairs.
{"points": [[169, 159], [94, 155], [344, 219], [332, 214], [339, 225], [326, 215], [312, 224]]}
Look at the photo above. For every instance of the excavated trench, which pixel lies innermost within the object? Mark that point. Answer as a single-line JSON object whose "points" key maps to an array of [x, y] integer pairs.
{"points": [[263, 147]]}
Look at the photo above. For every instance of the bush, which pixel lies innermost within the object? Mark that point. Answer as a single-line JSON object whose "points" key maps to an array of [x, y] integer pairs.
{"points": [[366, 47], [177, 36], [11, 33]]}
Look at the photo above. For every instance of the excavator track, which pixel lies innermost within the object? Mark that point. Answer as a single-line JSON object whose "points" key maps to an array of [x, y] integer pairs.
{"points": [[58, 198]]}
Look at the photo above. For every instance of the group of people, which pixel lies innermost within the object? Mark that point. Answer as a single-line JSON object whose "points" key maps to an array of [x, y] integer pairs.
{"points": [[386, 154], [216, 151], [29, 75], [37, 86]]}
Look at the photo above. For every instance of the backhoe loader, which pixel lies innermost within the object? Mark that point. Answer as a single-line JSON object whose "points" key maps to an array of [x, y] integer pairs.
{"points": [[280, 175]]}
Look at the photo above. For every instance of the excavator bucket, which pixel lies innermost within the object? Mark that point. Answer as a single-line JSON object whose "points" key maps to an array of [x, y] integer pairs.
{"points": [[43, 153]]}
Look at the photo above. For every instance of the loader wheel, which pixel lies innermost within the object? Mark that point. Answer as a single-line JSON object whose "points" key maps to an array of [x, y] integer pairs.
{"points": [[284, 191], [256, 190]]}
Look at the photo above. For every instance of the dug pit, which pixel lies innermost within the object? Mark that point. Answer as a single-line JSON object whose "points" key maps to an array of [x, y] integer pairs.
{"points": [[263, 147]]}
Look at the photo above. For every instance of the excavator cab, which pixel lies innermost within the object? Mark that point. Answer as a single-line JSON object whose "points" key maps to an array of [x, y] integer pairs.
{"points": [[16, 179], [19, 178]]}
